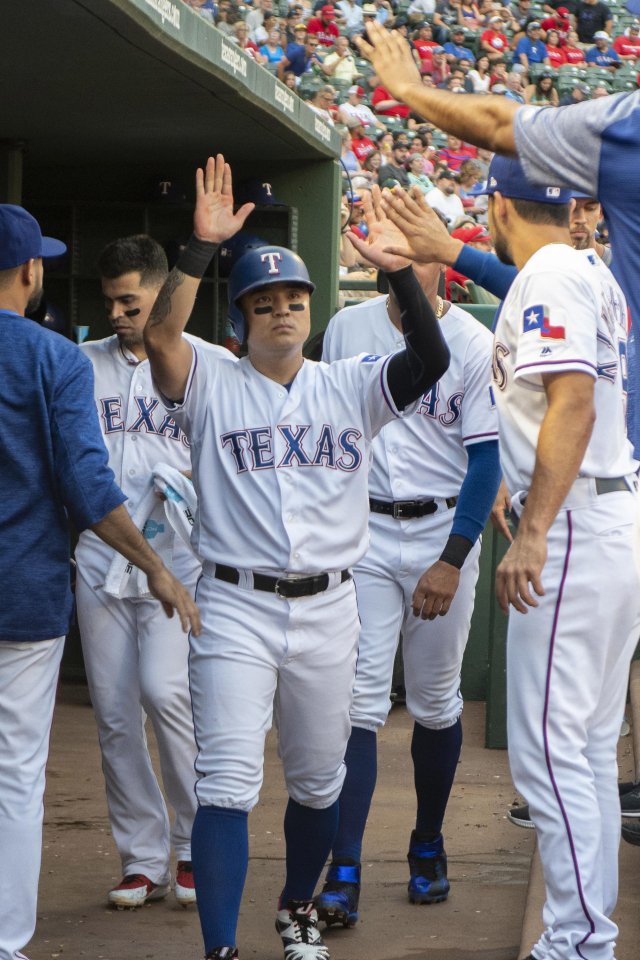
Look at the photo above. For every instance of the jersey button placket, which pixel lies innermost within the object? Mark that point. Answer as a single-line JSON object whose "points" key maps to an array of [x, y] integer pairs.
{"points": [[288, 481]]}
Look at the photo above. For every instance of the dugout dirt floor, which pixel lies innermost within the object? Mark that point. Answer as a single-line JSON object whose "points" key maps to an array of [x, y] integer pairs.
{"points": [[488, 862]]}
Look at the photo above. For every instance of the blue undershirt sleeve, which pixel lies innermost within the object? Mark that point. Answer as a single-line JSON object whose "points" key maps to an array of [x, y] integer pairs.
{"points": [[485, 270], [475, 500]]}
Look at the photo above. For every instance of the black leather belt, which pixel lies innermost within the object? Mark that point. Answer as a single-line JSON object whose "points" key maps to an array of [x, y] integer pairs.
{"points": [[290, 588], [408, 509], [603, 485]]}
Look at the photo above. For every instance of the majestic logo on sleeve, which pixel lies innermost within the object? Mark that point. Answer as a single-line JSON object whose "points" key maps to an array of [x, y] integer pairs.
{"points": [[253, 450], [537, 318]]}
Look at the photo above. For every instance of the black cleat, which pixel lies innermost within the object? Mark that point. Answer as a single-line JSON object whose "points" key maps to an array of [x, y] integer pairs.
{"points": [[338, 902]]}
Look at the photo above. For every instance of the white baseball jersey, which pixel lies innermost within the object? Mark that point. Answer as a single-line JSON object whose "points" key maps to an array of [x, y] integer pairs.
{"points": [[138, 432], [281, 476], [564, 311], [424, 455]]}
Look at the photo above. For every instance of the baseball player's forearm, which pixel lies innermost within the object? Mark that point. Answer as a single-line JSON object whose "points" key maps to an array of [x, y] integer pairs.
{"points": [[475, 500], [118, 531], [562, 443], [426, 355]]}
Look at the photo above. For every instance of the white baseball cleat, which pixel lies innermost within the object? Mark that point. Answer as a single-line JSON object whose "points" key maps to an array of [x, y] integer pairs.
{"points": [[135, 890], [297, 924], [185, 888]]}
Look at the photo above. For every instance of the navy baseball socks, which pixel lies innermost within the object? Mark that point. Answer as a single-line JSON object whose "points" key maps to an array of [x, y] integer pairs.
{"points": [[220, 857], [338, 902], [435, 755]]}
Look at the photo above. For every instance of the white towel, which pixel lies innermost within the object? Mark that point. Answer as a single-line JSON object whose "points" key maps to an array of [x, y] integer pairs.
{"points": [[159, 521]]}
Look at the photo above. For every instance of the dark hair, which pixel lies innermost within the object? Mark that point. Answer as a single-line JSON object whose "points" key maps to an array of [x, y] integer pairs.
{"points": [[397, 134], [547, 214], [141, 253]]}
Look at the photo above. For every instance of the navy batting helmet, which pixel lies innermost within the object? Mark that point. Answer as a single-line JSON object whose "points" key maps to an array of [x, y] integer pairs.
{"points": [[257, 268], [234, 248]]}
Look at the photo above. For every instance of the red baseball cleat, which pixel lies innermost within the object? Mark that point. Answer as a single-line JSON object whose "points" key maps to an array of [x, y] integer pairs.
{"points": [[135, 889], [185, 887]]}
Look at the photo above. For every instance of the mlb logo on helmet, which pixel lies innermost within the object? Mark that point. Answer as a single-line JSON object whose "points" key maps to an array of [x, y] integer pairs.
{"points": [[537, 318]]}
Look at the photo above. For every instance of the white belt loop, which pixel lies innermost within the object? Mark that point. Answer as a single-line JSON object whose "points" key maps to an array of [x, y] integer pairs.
{"points": [[246, 579], [335, 579]]}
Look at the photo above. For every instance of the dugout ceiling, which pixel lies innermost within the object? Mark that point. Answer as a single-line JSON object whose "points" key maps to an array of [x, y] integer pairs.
{"points": [[102, 80]]}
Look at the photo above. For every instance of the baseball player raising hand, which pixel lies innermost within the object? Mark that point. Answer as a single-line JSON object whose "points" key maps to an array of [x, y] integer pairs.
{"points": [[280, 450]]}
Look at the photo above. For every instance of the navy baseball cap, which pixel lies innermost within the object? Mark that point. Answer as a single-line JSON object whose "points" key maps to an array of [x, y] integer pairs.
{"points": [[507, 177], [255, 191], [21, 238]]}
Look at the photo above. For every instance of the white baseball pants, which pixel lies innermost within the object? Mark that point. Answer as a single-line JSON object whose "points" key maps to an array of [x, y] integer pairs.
{"points": [[400, 552], [567, 672], [136, 662], [258, 653], [28, 680]]}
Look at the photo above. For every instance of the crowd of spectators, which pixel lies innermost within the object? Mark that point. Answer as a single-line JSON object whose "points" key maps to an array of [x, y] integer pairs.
{"points": [[548, 53]]}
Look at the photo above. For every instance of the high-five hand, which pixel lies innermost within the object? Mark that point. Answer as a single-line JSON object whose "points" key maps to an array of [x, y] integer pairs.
{"points": [[382, 234], [391, 57], [214, 219], [425, 237]]}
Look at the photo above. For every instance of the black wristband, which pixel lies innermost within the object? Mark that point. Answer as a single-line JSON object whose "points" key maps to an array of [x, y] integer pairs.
{"points": [[456, 550], [196, 257]]}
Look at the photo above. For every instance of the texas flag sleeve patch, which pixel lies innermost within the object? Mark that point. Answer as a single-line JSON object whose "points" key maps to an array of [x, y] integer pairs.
{"points": [[537, 318]]}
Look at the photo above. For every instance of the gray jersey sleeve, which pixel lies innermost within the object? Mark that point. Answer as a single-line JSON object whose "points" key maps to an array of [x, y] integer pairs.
{"points": [[561, 147]]}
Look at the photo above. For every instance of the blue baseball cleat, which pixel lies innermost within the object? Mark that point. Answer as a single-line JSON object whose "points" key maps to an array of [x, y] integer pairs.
{"points": [[428, 865], [338, 902]]}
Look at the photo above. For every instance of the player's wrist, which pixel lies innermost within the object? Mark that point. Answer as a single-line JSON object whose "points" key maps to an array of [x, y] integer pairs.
{"points": [[452, 249], [196, 256]]}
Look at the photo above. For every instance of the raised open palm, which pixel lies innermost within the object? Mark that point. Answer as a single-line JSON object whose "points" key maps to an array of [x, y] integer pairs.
{"points": [[214, 219], [383, 233]]}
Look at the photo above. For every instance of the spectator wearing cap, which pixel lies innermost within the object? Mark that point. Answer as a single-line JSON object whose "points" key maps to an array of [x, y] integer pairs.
{"points": [[554, 50], [492, 40], [324, 27], [255, 18], [476, 236], [300, 58], [560, 21], [351, 16], [421, 9], [341, 64], [360, 144], [514, 87], [458, 79], [401, 25], [385, 105], [394, 168], [444, 197], [415, 171], [573, 52], [531, 48], [579, 94], [292, 22], [499, 90], [446, 16], [424, 42], [455, 153], [627, 46], [602, 55], [354, 107], [455, 49], [592, 16], [440, 69], [324, 103], [265, 29], [542, 93]]}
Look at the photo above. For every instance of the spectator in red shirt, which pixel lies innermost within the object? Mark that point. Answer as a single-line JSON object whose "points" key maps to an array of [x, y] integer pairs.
{"points": [[424, 42], [242, 39], [440, 69], [455, 153], [554, 50], [572, 52], [560, 21], [324, 27], [498, 72], [383, 103], [360, 144], [493, 40], [628, 48], [476, 236]]}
